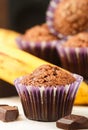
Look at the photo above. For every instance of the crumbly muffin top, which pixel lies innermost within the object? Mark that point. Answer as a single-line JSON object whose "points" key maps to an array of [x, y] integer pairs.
{"points": [[71, 16], [38, 33], [47, 75], [79, 40]]}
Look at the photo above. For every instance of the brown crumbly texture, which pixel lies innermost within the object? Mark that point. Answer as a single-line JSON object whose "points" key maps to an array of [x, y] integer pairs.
{"points": [[47, 75], [79, 40], [38, 33], [71, 16]]}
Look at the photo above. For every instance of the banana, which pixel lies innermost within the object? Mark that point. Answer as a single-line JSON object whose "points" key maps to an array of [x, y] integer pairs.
{"points": [[82, 95], [15, 63], [8, 37]]}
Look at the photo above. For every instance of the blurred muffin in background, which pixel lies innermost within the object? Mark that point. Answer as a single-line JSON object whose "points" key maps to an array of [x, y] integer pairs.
{"points": [[74, 54], [67, 17], [40, 42]]}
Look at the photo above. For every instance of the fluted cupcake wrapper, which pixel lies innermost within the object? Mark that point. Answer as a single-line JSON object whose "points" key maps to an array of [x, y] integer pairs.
{"points": [[44, 50], [47, 104], [50, 18], [74, 59]]}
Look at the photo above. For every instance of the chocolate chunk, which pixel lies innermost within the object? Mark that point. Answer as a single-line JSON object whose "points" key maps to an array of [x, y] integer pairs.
{"points": [[72, 122], [8, 113]]}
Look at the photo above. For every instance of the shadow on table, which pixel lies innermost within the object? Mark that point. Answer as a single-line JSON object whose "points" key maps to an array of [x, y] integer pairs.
{"points": [[6, 89]]}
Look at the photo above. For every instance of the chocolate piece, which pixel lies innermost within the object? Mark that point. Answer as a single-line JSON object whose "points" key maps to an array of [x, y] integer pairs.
{"points": [[8, 113], [71, 122]]}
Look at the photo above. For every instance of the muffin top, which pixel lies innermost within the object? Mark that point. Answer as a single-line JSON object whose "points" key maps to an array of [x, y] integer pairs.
{"points": [[47, 76], [70, 16], [79, 40], [38, 33]]}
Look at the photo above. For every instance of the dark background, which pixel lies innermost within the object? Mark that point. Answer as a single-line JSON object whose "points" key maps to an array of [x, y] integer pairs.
{"points": [[22, 14]]}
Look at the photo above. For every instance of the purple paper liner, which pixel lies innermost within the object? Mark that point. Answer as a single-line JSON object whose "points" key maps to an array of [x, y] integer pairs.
{"points": [[43, 50], [47, 104], [50, 18], [74, 59]]}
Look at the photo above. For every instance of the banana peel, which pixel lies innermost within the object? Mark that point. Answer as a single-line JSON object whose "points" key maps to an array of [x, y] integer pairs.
{"points": [[82, 94], [8, 37], [15, 63]]}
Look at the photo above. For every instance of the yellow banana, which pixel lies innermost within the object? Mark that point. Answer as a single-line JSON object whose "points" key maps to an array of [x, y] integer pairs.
{"points": [[8, 37], [82, 95], [15, 63]]}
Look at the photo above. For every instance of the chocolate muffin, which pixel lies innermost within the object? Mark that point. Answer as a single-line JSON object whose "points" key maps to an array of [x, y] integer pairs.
{"points": [[39, 42], [48, 93], [67, 17], [74, 54]]}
